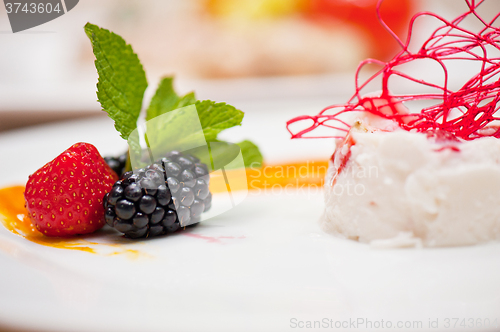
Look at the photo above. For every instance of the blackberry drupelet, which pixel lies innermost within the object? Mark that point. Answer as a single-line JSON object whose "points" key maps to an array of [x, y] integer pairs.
{"points": [[117, 164], [164, 196]]}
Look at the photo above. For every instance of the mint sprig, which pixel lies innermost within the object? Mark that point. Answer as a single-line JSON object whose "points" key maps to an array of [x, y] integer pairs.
{"points": [[122, 80], [121, 87]]}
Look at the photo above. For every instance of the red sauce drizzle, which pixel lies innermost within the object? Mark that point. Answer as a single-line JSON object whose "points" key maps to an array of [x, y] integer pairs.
{"points": [[467, 113]]}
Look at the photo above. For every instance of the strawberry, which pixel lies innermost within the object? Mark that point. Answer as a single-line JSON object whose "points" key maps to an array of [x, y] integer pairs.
{"points": [[65, 196]]}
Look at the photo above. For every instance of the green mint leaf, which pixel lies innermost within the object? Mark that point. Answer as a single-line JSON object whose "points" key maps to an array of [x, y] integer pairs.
{"points": [[166, 99], [222, 153], [251, 154], [187, 100], [215, 117], [173, 133], [122, 80], [176, 130]]}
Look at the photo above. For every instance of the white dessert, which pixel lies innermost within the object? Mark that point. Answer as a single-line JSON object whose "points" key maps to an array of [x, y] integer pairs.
{"points": [[397, 188]]}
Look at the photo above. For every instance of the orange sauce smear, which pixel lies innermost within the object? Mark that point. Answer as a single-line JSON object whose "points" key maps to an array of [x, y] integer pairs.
{"points": [[14, 216], [292, 175]]}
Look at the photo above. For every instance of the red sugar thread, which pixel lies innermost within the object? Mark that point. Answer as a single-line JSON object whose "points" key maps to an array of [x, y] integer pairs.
{"points": [[474, 105]]}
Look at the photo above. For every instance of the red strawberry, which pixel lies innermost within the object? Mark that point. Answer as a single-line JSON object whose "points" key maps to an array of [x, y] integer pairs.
{"points": [[64, 197]]}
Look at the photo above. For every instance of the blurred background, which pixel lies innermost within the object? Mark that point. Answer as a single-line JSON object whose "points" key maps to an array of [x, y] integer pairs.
{"points": [[236, 51]]}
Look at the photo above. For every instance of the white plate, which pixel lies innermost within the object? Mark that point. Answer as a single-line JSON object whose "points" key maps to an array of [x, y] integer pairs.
{"points": [[264, 265]]}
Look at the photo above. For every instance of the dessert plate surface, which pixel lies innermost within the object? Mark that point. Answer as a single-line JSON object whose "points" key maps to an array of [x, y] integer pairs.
{"points": [[264, 265]]}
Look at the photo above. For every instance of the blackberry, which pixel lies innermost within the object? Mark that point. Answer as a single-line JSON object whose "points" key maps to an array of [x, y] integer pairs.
{"points": [[160, 198], [117, 164]]}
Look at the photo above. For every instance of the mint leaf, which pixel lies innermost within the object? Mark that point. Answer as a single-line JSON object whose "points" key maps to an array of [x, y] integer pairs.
{"points": [[174, 131], [166, 99], [187, 100], [122, 80], [222, 153], [215, 117], [251, 154]]}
